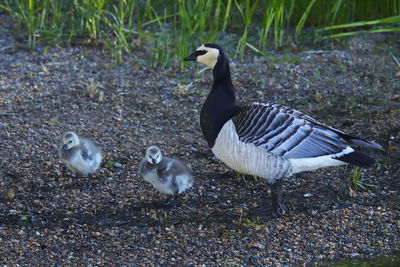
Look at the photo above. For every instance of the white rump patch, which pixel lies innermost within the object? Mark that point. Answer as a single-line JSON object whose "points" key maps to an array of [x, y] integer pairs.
{"points": [[311, 164]]}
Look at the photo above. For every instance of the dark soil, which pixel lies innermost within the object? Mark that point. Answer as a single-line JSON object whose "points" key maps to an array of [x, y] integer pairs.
{"points": [[46, 218]]}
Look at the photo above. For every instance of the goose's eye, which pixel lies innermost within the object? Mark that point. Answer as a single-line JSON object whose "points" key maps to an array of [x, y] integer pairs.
{"points": [[70, 141]]}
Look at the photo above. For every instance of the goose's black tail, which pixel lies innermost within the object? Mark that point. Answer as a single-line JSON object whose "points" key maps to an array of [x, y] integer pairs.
{"points": [[358, 159]]}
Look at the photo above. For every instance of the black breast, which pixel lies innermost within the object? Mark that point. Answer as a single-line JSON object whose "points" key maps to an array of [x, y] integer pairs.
{"points": [[216, 111]]}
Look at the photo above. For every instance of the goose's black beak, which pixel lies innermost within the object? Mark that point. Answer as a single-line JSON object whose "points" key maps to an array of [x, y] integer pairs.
{"points": [[65, 147], [192, 57]]}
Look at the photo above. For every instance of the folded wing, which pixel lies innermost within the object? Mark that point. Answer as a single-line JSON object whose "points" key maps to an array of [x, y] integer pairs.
{"points": [[289, 133]]}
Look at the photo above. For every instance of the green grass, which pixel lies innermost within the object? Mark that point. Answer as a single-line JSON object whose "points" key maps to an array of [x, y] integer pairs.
{"points": [[169, 30], [357, 183]]}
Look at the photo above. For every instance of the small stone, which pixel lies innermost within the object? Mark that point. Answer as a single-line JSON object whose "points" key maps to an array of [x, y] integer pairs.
{"points": [[308, 195], [314, 212], [256, 245], [97, 234], [10, 194], [12, 212], [253, 259], [117, 165], [354, 254]]}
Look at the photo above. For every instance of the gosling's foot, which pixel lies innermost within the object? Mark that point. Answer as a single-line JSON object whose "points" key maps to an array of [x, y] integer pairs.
{"points": [[167, 203], [85, 185]]}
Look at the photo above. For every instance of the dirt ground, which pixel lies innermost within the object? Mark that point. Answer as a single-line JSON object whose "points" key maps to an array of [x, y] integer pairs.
{"points": [[107, 220]]}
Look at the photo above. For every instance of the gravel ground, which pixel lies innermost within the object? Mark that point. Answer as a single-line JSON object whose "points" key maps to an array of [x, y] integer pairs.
{"points": [[107, 220]]}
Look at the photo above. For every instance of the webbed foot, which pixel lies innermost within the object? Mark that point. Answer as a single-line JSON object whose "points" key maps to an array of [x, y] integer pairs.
{"points": [[265, 213], [167, 203]]}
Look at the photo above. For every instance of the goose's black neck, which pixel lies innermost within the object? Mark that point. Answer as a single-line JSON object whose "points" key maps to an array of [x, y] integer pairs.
{"points": [[222, 72], [220, 104]]}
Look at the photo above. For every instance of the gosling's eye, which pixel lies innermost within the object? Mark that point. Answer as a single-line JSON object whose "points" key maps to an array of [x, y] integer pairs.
{"points": [[70, 142]]}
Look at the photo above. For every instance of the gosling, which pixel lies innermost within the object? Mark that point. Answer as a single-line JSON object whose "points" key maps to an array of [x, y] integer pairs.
{"points": [[169, 176], [80, 155]]}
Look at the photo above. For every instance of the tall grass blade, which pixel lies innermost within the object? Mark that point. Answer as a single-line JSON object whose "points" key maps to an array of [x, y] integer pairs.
{"points": [[394, 19], [303, 18]]}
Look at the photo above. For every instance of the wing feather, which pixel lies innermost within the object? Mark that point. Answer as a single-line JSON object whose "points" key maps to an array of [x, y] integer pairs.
{"points": [[286, 132]]}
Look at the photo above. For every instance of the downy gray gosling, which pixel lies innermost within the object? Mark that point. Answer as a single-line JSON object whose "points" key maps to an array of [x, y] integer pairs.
{"points": [[169, 176], [268, 140], [79, 154]]}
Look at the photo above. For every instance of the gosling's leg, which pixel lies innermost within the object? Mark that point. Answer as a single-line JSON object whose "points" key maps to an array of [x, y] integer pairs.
{"points": [[169, 202]]}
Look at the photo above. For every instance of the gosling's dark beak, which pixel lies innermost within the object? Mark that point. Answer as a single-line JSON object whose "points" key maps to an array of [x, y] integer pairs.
{"points": [[65, 147], [192, 57], [153, 160]]}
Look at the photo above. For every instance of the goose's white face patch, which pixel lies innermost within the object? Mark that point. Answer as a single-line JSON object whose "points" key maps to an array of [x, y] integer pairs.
{"points": [[70, 139], [210, 58]]}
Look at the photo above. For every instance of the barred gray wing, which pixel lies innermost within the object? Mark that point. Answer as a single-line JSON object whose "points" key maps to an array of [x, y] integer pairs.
{"points": [[286, 132]]}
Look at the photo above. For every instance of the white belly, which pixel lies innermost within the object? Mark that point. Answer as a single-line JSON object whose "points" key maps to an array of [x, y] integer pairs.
{"points": [[247, 158], [154, 180], [78, 164]]}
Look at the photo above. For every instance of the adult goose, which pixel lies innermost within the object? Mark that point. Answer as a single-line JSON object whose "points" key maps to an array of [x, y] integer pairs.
{"points": [[80, 154], [271, 141]]}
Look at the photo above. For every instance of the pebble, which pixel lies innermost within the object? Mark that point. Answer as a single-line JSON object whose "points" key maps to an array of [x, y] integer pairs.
{"points": [[12, 212], [253, 259], [256, 245], [117, 165]]}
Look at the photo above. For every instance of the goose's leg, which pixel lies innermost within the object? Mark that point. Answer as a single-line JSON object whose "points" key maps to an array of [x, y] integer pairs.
{"points": [[276, 190], [268, 213]]}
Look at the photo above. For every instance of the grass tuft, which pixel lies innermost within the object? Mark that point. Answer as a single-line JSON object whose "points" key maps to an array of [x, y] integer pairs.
{"points": [[169, 30], [356, 182]]}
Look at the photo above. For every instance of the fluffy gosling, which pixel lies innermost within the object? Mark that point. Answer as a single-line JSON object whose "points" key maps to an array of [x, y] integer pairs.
{"points": [[169, 176], [79, 154]]}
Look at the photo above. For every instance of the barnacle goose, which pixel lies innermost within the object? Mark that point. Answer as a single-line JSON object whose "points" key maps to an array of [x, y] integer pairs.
{"points": [[79, 154], [268, 140], [169, 176]]}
